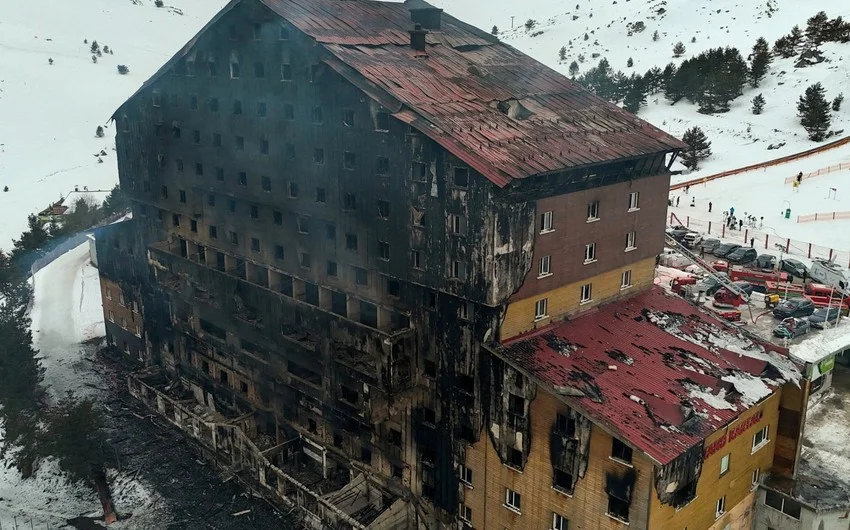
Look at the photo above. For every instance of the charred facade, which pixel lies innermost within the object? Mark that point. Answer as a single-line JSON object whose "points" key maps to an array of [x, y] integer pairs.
{"points": [[319, 252]]}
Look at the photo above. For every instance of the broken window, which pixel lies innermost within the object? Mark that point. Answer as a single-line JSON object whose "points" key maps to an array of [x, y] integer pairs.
{"points": [[383, 250], [461, 177], [777, 501], [278, 252], [394, 437], [305, 260], [361, 276], [332, 268], [213, 232], [284, 33], [562, 480], [183, 196], [621, 451], [417, 172], [382, 121], [199, 169], [348, 118], [255, 244], [418, 217], [351, 241], [565, 425], [393, 287], [242, 178], [429, 368], [234, 70], [383, 209], [416, 259], [516, 404], [383, 166], [266, 183], [349, 394], [319, 155], [293, 190], [320, 195], [348, 160], [514, 458], [277, 217], [429, 416], [286, 71]]}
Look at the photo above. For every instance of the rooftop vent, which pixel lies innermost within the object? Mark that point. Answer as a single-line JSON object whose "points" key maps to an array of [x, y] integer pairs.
{"points": [[429, 16], [417, 38]]}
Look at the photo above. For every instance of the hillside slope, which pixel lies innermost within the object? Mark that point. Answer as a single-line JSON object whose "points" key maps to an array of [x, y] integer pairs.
{"points": [[738, 137]]}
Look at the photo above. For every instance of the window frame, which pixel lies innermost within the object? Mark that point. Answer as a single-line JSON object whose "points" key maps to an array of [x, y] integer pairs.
{"points": [[513, 500], [546, 222], [764, 441], [541, 309], [590, 253], [593, 211], [586, 297], [544, 267], [634, 201], [559, 522], [631, 238], [720, 507], [626, 279], [724, 463]]}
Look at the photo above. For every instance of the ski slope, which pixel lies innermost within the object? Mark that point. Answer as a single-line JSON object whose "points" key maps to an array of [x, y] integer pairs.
{"points": [[738, 137], [48, 114]]}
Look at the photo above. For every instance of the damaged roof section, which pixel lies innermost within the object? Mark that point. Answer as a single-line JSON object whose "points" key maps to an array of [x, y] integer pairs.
{"points": [[497, 109], [654, 369]]}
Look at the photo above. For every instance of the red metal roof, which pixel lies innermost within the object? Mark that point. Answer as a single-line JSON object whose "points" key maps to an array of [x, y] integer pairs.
{"points": [[637, 362], [453, 90]]}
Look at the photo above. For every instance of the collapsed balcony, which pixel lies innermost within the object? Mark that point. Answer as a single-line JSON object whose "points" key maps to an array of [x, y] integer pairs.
{"points": [[298, 472]]}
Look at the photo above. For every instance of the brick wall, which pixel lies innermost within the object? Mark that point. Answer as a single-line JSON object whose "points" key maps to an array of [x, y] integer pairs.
{"points": [[565, 300]]}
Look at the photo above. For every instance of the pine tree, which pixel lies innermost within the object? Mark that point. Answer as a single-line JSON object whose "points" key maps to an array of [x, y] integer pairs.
{"points": [[760, 61], [494, 31], [94, 46], [630, 63], [99, 131], [562, 53], [573, 69], [117, 201], [678, 49], [698, 148], [529, 24], [795, 38], [621, 86], [655, 36], [758, 104], [783, 47], [813, 111], [836, 103], [816, 29], [636, 95]]}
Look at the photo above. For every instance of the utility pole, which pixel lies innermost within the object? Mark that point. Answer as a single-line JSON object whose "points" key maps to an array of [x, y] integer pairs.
{"points": [[512, 22]]}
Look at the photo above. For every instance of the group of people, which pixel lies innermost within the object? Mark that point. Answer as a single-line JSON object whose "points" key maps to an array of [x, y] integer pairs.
{"points": [[734, 223]]}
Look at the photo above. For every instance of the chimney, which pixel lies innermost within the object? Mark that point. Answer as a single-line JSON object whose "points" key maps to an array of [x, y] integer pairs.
{"points": [[426, 15], [417, 38]]}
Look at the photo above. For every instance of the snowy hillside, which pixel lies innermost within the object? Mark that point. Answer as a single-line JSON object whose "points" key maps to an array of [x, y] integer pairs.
{"points": [[48, 114], [738, 138]]}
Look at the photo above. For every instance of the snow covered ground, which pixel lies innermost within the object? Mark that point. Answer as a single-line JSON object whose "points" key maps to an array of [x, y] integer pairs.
{"points": [[763, 193], [738, 138], [48, 114]]}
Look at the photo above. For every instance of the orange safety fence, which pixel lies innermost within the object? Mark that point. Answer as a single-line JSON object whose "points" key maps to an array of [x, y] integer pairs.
{"points": [[821, 171], [760, 165], [761, 239], [823, 216]]}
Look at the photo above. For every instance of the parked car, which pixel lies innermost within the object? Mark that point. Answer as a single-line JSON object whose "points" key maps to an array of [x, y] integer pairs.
{"points": [[829, 273], [793, 267], [824, 316], [791, 327], [724, 249], [745, 287], [692, 239], [796, 307], [678, 233], [708, 245], [742, 255], [709, 285], [765, 262]]}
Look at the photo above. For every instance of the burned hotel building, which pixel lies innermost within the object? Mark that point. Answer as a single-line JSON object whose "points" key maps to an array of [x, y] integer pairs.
{"points": [[398, 274]]}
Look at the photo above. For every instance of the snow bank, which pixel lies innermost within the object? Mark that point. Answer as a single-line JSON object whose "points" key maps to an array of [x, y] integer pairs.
{"points": [[823, 343]]}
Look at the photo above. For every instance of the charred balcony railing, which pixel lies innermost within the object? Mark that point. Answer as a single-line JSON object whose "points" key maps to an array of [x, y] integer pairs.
{"points": [[181, 257]]}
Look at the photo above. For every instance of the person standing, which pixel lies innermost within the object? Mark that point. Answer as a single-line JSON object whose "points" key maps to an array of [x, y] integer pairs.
{"points": [[740, 224], [677, 201], [752, 240], [732, 211], [761, 221], [799, 178], [687, 189], [709, 206], [693, 202]]}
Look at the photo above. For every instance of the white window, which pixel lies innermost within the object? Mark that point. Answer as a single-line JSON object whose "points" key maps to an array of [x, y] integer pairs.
{"points": [[545, 266], [559, 522], [630, 241], [466, 475], [634, 201], [513, 499], [590, 253], [121, 298], [456, 224], [463, 311], [586, 293], [720, 508], [541, 309], [626, 279], [108, 293], [138, 331], [592, 211], [112, 317], [756, 476], [465, 513], [123, 323], [760, 439], [724, 465], [234, 70], [135, 307], [546, 222]]}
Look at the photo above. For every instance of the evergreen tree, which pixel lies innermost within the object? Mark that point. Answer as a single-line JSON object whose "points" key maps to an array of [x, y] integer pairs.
{"points": [[795, 38], [760, 61], [655, 36], [494, 31], [758, 104], [74, 435], [99, 131], [816, 29], [562, 53], [836, 103], [621, 86], [678, 49], [115, 202], [630, 63], [529, 24], [573, 69], [653, 78], [94, 46], [698, 148], [29, 247], [636, 95], [783, 47], [813, 111]]}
